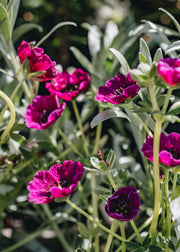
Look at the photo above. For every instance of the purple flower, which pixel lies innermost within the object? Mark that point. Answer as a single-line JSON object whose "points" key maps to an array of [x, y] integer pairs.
{"points": [[59, 182], [117, 90], [124, 204], [38, 61], [43, 111], [169, 149], [68, 86], [169, 70]]}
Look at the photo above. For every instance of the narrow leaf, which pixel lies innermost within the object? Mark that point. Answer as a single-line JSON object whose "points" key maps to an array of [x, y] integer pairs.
{"points": [[144, 50], [53, 30], [4, 24], [158, 55], [85, 62], [173, 47], [121, 60], [107, 114], [22, 29], [13, 8], [172, 18]]}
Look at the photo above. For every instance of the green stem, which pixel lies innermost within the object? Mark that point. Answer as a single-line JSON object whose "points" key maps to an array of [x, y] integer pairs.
{"points": [[136, 231], [143, 124], [95, 221], [56, 229], [80, 126], [67, 140], [111, 180], [24, 241], [174, 184], [98, 136], [123, 235], [12, 116], [152, 97], [110, 237], [156, 175], [166, 101], [168, 211]]}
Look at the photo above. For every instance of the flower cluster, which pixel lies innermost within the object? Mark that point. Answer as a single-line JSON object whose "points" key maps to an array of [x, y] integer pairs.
{"points": [[169, 70], [68, 86], [43, 111], [38, 61], [169, 149], [59, 182], [118, 89], [124, 204]]}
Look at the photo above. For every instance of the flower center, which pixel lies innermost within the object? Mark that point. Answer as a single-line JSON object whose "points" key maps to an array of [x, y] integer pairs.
{"points": [[71, 88], [121, 207], [64, 183], [118, 91], [44, 115]]}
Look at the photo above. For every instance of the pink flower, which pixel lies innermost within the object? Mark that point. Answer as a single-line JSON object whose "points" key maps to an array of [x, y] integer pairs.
{"points": [[68, 86], [169, 70], [43, 111], [169, 150], [124, 205], [38, 61], [59, 182], [117, 90]]}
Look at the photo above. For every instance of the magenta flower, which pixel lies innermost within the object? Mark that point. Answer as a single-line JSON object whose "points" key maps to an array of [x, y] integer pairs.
{"points": [[169, 150], [169, 70], [59, 182], [68, 86], [124, 204], [38, 61], [43, 111], [117, 90]]}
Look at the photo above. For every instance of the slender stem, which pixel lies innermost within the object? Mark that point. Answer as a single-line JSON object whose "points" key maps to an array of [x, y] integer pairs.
{"points": [[80, 126], [12, 116], [144, 225], [166, 101], [56, 229], [143, 124], [168, 211], [24, 241], [156, 175], [94, 206], [136, 231], [110, 237], [98, 136], [174, 184], [111, 180], [123, 235], [67, 140], [153, 98], [94, 221]]}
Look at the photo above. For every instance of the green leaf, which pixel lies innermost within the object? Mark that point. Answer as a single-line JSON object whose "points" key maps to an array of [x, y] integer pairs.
{"points": [[12, 9], [107, 114], [85, 62], [4, 3], [147, 240], [111, 158], [18, 138], [174, 109], [172, 18], [142, 58], [4, 24], [132, 245], [99, 164], [53, 30], [173, 47], [24, 28], [158, 55], [83, 230], [144, 50], [171, 118], [121, 60], [5, 188]]}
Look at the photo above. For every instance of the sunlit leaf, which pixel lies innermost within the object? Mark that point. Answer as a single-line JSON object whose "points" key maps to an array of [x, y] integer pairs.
{"points": [[4, 24], [107, 114], [173, 47], [121, 60], [144, 50]]}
